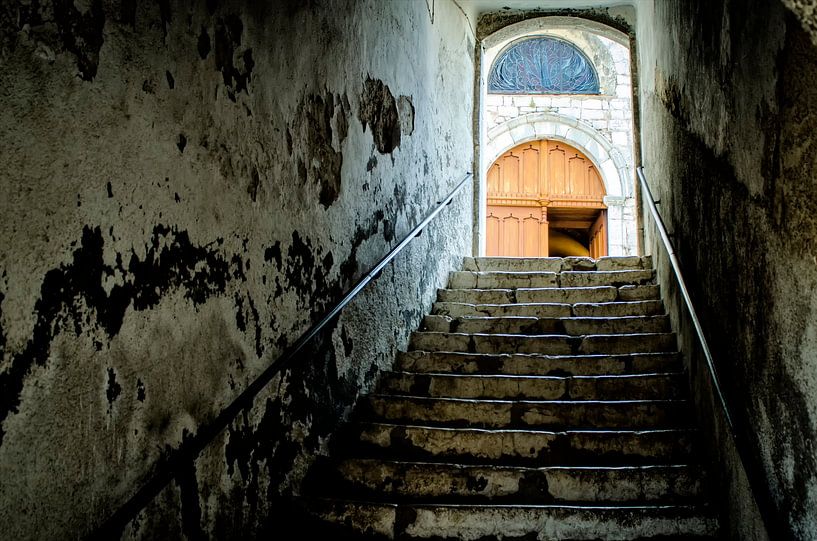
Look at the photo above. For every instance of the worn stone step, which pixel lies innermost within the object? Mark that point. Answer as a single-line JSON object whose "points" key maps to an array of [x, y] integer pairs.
{"points": [[488, 280], [574, 326], [462, 483], [517, 446], [619, 309], [545, 414], [537, 365], [562, 295], [638, 293], [460, 309], [623, 262], [555, 264], [547, 344], [606, 278], [450, 522], [536, 279], [513, 264], [637, 387], [540, 310]]}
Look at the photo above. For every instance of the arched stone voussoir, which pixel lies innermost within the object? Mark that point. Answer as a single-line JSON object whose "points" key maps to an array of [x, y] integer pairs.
{"points": [[607, 158]]}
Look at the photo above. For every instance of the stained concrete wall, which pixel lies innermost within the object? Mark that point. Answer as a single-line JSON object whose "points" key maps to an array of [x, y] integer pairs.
{"points": [[728, 119], [186, 187]]}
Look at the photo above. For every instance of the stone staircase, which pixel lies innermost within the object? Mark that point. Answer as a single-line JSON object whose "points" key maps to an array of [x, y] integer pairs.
{"points": [[542, 399]]}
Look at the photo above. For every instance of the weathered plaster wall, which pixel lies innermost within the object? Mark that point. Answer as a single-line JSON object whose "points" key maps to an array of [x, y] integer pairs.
{"points": [[186, 187], [729, 112]]}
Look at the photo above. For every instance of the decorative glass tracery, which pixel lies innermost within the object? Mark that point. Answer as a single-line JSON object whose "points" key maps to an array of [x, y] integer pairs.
{"points": [[543, 65]]}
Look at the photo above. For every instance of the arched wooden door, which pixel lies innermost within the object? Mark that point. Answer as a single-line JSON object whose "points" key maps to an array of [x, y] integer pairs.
{"points": [[540, 190]]}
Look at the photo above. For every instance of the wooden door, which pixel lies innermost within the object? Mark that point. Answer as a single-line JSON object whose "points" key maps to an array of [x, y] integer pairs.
{"points": [[598, 236], [516, 231], [524, 183]]}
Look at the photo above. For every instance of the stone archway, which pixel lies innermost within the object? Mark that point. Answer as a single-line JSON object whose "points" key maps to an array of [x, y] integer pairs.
{"points": [[611, 165], [545, 198], [604, 134], [556, 25]]}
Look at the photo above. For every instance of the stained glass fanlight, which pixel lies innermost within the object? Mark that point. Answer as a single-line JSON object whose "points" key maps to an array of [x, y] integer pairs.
{"points": [[542, 65]]}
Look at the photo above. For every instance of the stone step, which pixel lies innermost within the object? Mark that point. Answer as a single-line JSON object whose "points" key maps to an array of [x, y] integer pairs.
{"points": [[514, 264], [351, 519], [460, 309], [537, 365], [607, 309], [459, 483], [488, 280], [563, 295], [547, 344], [619, 309], [555, 264], [451, 385], [606, 278], [516, 446], [499, 279], [543, 414], [574, 326]]}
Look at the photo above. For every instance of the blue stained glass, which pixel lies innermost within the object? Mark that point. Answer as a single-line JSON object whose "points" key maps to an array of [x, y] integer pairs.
{"points": [[542, 65]]}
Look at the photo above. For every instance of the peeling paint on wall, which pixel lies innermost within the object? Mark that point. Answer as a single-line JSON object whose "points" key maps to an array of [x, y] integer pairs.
{"points": [[405, 109], [71, 293], [164, 244], [320, 163], [227, 39], [113, 389], [378, 111], [60, 26]]}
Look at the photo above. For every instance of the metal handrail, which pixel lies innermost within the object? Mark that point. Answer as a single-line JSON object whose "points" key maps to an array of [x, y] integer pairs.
{"points": [[765, 505], [676, 267], [191, 447]]}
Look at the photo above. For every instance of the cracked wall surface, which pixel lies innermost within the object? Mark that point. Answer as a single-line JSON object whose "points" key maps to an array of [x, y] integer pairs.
{"points": [[184, 192], [728, 118]]}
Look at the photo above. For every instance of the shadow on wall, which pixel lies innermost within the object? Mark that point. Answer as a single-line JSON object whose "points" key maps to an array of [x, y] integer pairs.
{"points": [[739, 199], [178, 209]]}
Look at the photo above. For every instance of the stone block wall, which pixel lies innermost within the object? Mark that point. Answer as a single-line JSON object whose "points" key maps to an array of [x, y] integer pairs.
{"points": [[609, 113]]}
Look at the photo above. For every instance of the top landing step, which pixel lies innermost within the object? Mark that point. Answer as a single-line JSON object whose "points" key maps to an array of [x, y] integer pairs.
{"points": [[556, 264]]}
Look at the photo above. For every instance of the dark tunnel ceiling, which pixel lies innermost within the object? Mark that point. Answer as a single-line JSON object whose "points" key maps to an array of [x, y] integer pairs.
{"points": [[476, 7]]}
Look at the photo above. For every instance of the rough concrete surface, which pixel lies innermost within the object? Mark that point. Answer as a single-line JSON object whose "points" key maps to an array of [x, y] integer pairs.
{"points": [[729, 109], [186, 187]]}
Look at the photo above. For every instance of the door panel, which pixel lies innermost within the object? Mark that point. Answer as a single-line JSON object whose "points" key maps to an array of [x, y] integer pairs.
{"points": [[556, 179], [598, 236], [510, 236], [493, 178], [530, 236], [530, 171], [492, 224], [510, 174]]}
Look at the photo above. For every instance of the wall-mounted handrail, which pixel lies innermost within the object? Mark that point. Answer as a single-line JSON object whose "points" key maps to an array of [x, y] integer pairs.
{"points": [[191, 447], [765, 505], [676, 267]]}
